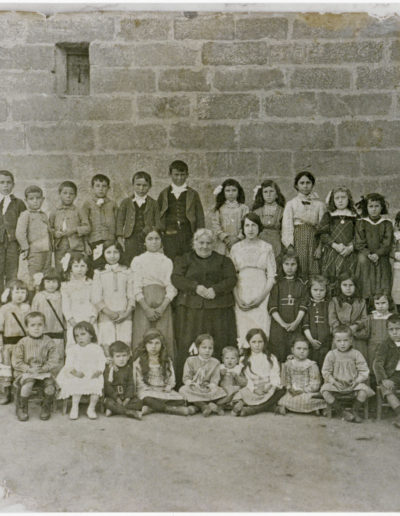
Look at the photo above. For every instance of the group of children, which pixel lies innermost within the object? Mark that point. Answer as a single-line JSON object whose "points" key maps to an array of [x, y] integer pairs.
{"points": [[110, 333]]}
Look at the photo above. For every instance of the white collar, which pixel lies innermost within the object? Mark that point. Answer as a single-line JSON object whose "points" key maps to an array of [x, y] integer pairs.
{"points": [[7, 200], [382, 219], [377, 315], [231, 204], [312, 196], [343, 213], [114, 268], [139, 200], [177, 190]]}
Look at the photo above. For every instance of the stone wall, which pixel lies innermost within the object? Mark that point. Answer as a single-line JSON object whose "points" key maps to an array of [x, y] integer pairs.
{"points": [[244, 95]]}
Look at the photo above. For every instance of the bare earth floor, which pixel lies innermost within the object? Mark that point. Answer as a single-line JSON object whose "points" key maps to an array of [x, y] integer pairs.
{"points": [[172, 463]]}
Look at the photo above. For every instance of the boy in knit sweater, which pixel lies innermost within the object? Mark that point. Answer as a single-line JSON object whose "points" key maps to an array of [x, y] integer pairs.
{"points": [[35, 359], [33, 234]]}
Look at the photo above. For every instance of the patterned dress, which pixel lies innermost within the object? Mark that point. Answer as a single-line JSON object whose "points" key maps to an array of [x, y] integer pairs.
{"points": [[337, 227], [351, 311], [256, 267], [301, 375], [374, 237], [271, 218], [345, 367], [301, 217], [201, 378], [288, 297], [227, 222], [154, 386]]}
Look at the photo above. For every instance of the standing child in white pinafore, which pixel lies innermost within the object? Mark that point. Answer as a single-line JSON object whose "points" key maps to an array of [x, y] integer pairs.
{"points": [[113, 296], [75, 293]]}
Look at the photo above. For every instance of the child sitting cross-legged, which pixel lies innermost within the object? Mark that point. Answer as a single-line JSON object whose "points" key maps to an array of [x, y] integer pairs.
{"points": [[345, 372], [119, 389], [35, 359]]}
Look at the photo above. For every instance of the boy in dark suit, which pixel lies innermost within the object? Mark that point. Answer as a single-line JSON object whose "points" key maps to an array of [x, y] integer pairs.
{"points": [[181, 212], [10, 209], [387, 365]]}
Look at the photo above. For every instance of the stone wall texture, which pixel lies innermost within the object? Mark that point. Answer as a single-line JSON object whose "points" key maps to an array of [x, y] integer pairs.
{"points": [[244, 95]]}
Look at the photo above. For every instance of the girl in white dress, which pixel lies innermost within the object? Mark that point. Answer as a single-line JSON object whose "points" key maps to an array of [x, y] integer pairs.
{"points": [[228, 214], [112, 295], [153, 292], [75, 294], [83, 370], [255, 263], [261, 368]]}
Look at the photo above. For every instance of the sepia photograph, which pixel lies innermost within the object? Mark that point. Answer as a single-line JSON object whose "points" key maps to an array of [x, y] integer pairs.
{"points": [[199, 239]]}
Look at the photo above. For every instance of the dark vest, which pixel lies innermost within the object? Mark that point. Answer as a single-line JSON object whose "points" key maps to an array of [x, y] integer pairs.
{"points": [[139, 217], [176, 214]]}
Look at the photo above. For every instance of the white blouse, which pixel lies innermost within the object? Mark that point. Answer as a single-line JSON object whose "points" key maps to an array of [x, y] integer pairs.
{"points": [[152, 269]]}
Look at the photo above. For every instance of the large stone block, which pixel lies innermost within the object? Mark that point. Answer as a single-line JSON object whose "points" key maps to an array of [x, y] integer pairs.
{"points": [[71, 27], [220, 106], [260, 27], [346, 52], [288, 53], [383, 78], [380, 163], [150, 54], [381, 27], [30, 168], [183, 80], [243, 53], [163, 106], [12, 139], [34, 57], [108, 80], [379, 133], [132, 137], [277, 135], [12, 26], [291, 104], [61, 137], [275, 164], [214, 26], [395, 50], [329, 25], [216, 136], [338, 105], [52, 108], [328, 164], [320, 78], [232, 164], [248, 79], [133, 27], [3, 110], [26, 83]]}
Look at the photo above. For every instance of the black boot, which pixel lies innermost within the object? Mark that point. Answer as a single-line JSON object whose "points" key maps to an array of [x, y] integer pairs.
{"points": [[22, 408], [5, 397], [45, 410]]}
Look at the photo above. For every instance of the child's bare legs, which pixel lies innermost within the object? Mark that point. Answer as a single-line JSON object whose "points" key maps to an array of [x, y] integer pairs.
{"points": [[206, 408], [358, 402], [22, 402], [74, 413], [237, 407], [91, 410]]}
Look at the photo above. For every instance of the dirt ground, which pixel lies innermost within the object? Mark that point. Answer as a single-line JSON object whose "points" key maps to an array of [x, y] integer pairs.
{"points": [[171, 463]]}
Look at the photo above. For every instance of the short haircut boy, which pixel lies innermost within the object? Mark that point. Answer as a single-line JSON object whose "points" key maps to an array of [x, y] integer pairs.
{"points": [[142, 175], [119, 347], [68, 184], [7, 173], [100, 178], [230, 349], [34, 315], [179, 165], [342, 328], [393, 319], [33, 189]]}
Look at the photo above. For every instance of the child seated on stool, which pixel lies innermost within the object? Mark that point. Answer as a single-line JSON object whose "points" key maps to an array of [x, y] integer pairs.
{"points": [[34, 360], [119, 389], [387, 365], [345, 372]]}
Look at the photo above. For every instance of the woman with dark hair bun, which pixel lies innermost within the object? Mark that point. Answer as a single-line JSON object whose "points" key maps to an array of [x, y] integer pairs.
{"points": [[255, 263], [301, 217]]}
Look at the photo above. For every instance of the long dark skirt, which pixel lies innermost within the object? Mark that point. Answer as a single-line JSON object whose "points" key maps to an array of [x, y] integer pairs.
{"points": [[191, 322]]}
